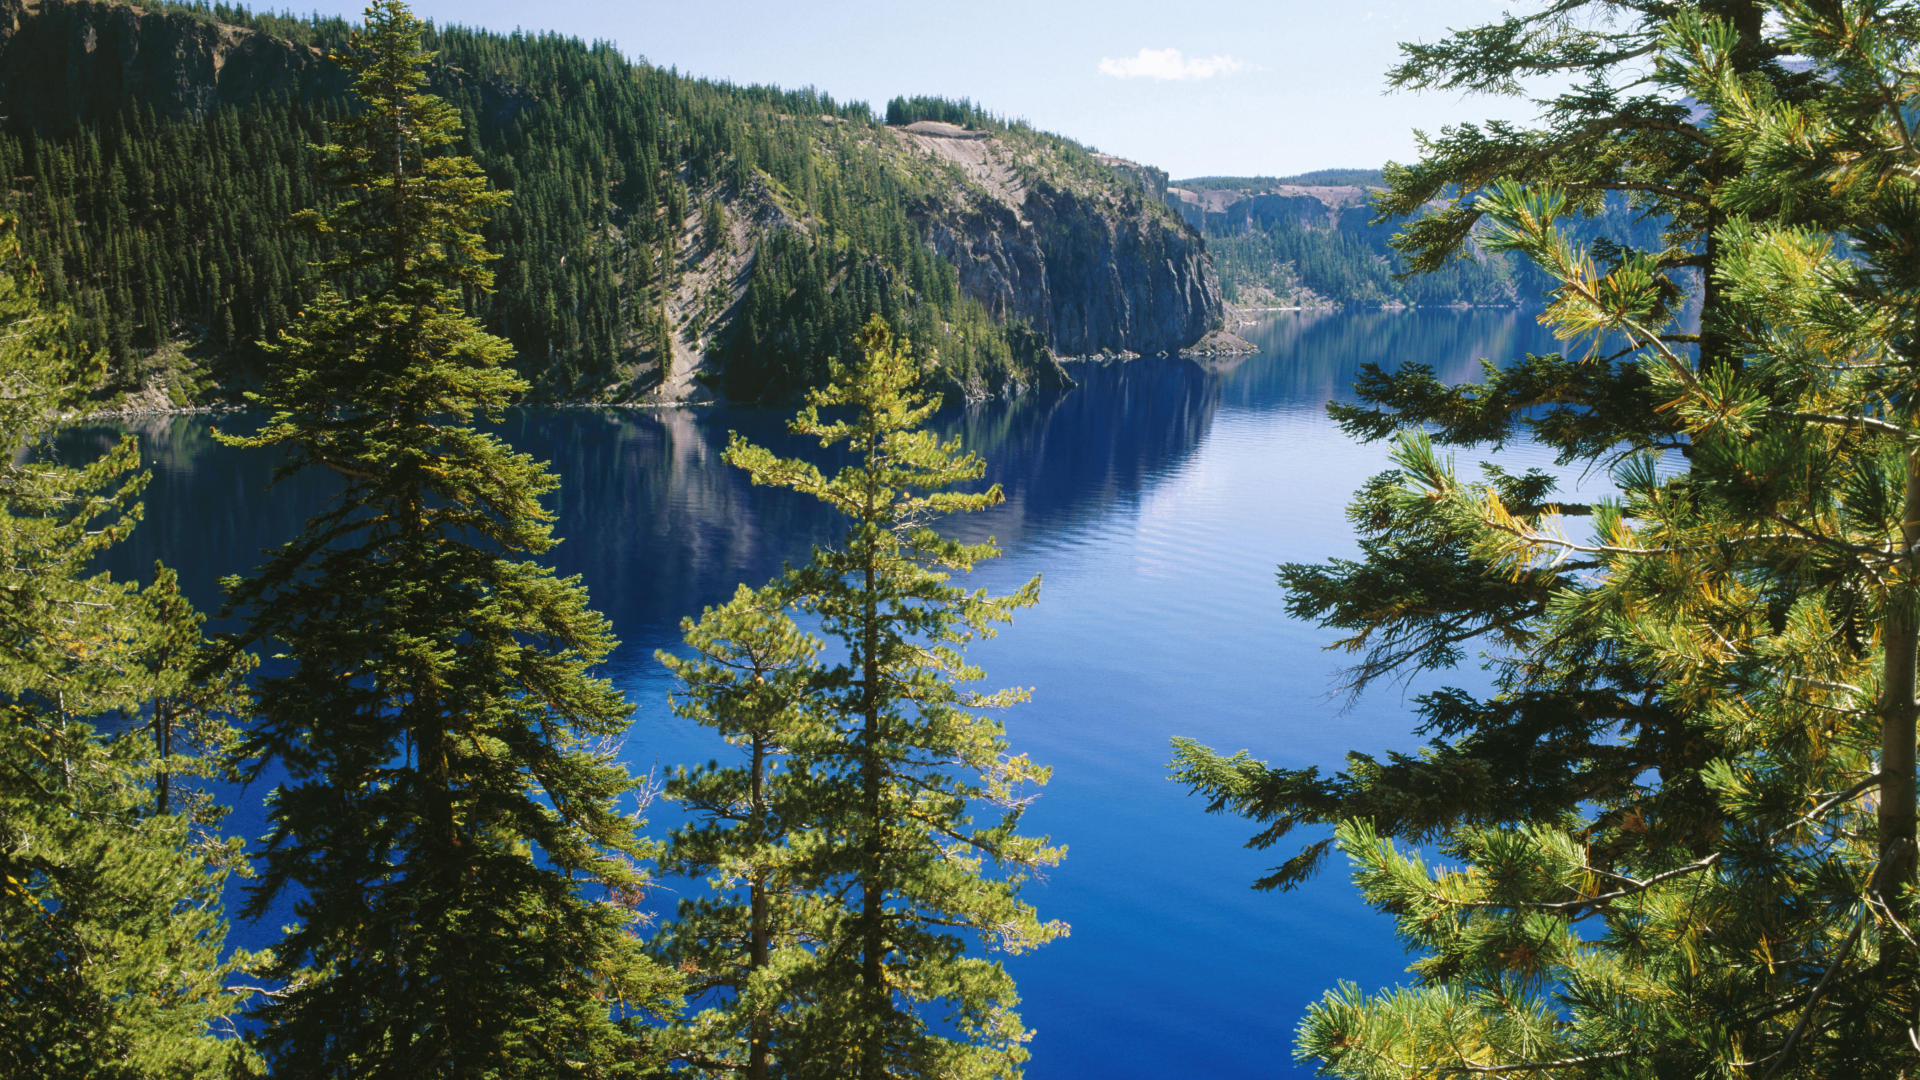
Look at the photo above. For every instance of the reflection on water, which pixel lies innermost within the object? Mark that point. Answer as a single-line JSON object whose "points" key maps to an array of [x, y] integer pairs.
{"points": [[1155, 498]]}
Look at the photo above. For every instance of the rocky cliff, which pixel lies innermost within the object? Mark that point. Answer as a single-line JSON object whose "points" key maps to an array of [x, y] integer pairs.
{"points": [[1217, 212], [65, 64], [1311, 241], [1079, 246]]}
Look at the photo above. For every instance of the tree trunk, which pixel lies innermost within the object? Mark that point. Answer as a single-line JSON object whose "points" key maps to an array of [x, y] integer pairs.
{"points": [[1898, 708], [1748, 22], [163, 747], [757, 946], [872, 940]]}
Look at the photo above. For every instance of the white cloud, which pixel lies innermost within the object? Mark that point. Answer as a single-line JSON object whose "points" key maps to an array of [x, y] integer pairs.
{"points": [[1165, 64]]}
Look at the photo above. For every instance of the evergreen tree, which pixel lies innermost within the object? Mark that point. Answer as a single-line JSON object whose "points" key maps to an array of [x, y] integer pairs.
{"points": [[754, 680], [193, 687], [1766, 594], [863, 849], [1571, 721], [111, 925], [452, 819]]}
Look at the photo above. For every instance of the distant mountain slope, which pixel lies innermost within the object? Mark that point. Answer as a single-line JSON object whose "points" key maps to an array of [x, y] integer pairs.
{"points": [[667, 236], [1316, 178], [1310, 241]]}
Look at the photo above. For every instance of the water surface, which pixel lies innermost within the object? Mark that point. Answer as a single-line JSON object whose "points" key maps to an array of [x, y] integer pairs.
{"points": [[1155, 500]]}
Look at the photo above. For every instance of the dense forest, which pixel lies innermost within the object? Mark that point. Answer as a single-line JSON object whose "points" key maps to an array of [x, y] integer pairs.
{"points": [[657, 221], [451, 825], [964, 113]]}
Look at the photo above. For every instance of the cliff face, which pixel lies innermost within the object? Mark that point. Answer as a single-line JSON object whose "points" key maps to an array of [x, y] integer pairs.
{"points": [[1080, 247], [1217, 212], [1122, 281], [63, 64]]}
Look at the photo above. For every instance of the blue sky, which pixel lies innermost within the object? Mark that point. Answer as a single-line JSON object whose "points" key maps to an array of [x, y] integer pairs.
{"points": [[1225, 87]]}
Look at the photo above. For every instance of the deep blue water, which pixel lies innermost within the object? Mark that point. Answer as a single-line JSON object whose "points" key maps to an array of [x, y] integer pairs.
{"points": [[1155, 500]]}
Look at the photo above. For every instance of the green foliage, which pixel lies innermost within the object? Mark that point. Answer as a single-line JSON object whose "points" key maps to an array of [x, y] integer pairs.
{"points": [[1567, 706], [454, 817], [164, 230], [874, 820], [1765, 596], [963, 113], [111, 926], [747, 949]]}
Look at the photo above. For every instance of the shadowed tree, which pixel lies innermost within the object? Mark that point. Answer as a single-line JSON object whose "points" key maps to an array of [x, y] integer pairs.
{"points": [[455, 827]]}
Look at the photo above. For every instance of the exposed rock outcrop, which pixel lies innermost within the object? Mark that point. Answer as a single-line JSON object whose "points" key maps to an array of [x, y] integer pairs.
{"points": [[1215, 211], [64, 63], [1095, 263]]}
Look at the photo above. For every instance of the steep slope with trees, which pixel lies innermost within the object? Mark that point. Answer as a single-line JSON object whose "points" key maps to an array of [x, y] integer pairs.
{"points": [[1320, 240], [667, 234]]}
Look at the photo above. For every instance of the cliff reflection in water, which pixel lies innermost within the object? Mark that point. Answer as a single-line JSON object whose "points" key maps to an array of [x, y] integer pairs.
{"points": [[661, 527]]}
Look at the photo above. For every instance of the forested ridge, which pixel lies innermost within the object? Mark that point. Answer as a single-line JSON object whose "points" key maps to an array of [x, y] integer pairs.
{"points": [[1316, 240], [658, 224]]}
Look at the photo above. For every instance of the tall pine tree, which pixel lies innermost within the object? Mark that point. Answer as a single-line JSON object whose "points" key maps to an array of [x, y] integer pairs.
{"points": [[887, 838], [111, 924], [1571, 721], [755, 680], [1767, 593], [455, 825]]}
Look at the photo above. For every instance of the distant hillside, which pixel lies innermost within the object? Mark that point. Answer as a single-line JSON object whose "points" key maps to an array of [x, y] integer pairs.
{"points": [[1309, 240], [667, 236], [1316, 178]]}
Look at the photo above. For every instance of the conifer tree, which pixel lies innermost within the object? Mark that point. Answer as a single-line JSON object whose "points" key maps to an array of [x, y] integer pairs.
{"points": [[111, 924], [454, 824], [754, 679], [890, 830], [1766, 593], [1570, 721], [193, 688]]}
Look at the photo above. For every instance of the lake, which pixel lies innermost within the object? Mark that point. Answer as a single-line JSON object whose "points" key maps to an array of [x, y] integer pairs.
{"points": [[1155, 499]]}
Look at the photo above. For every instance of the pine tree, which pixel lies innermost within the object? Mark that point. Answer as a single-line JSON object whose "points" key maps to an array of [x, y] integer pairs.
{"points": [[872, 861], [1767, 593], [1570, 719], [111, 925], [453, 817], [193, 688], [754, 679]]}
